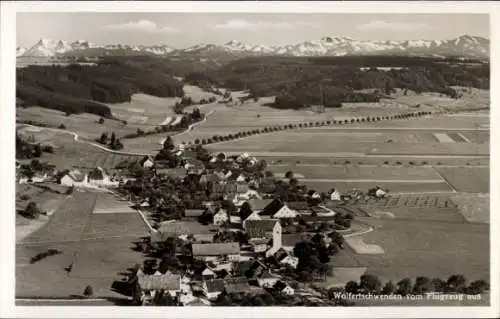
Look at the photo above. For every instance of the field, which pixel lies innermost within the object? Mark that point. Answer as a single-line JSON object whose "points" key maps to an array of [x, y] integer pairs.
{"points": [[474, 207], [423, 248], [97, 246], [69, 153], [467, 179]]}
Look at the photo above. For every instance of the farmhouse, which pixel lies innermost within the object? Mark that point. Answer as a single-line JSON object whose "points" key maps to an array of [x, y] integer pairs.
{"points": [[213, 288], [277, 209], [258, 244], [193, 213], [149, 285], [268, 229], [283, 288], [73, 178], [216, 251], [237, 285], [266, 279], [221, 217], [179, 228], [147, 162], [208, 274]]}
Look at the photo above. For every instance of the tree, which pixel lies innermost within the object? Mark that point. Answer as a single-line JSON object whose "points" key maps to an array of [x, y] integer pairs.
{"points": [[456, 283], [31, 211], [370, 283], [389, 288], [61, 126], [101, 121], [89, 291], [168, 144], [351, 287], [104, 138], [404, 286], [478, 287], [289, 175], [112, 140], [422, 285]]}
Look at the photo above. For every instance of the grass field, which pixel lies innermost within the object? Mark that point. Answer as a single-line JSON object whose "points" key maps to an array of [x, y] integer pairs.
{"points": [[359, 172], [69, 153], [394, 187], [474, 207], [467, 179], [98, 246], [422, 248]]}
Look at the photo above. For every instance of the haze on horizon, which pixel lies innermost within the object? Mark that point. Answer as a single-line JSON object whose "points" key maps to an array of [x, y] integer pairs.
{"points": [[181, 30]]}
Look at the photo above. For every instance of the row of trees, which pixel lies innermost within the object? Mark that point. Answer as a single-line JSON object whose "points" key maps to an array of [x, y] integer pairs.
{"points": [[112, 142], [454, 284], [277, 128]]}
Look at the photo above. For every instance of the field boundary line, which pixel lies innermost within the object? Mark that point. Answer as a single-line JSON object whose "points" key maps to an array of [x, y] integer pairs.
{"points": [[445, 180]]}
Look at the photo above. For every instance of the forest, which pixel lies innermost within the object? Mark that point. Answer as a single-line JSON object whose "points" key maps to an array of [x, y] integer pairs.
{"points": [[77, 88], [299, 82]]}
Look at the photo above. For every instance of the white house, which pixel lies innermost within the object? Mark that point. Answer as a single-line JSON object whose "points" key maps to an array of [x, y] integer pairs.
{"points": [[258, 244], [284, 288], [285, 212], [290, 260], [335, 195], [147, 162], [208, 274], [267, 280], [221, 217], [73, 178]]}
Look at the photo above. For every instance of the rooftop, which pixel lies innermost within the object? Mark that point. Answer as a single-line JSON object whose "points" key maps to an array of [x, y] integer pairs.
{"points": [[215, 285], [260, 228], [259, 204], [215, 249], [158, 281]]}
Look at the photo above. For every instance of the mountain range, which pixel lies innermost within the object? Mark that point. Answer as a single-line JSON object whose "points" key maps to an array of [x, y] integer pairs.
{"points": [[462, 46]]}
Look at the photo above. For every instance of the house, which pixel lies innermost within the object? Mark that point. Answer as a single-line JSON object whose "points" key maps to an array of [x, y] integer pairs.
{"points": [[301, 207], [213, 288], [278, 209], [147, 162], [197, 302], [290, 240], [237, 285], [240, 268], [216, 251], [266, 279], [100, 177], [264, 228], [73, 178], [149, 285], [258, 205], [241, 179], [289, 260], [221, 217], [208, 274], [259, 245], [193, 213], [283, 288], [178, 228], [335, 195], [256, 268]]}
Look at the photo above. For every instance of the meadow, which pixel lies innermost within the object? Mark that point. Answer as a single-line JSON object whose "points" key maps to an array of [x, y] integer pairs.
{"points": [[97, 246]]}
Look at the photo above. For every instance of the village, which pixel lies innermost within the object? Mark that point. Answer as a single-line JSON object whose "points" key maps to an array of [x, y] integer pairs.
{"points": [[222, 230]]}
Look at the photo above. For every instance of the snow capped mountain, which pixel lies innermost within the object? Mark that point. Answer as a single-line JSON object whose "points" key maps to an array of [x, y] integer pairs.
{"points": [[465, 45], [20, 51]]}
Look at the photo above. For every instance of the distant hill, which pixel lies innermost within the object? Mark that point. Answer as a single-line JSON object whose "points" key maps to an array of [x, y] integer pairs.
{"points": [[83, 89]]}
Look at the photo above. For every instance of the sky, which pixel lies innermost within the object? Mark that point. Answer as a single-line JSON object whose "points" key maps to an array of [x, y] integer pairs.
{"points": [[181, 30]]}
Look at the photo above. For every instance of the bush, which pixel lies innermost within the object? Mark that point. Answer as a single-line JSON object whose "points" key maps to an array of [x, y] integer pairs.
{"points": [[89, 291], [61, 126]]}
